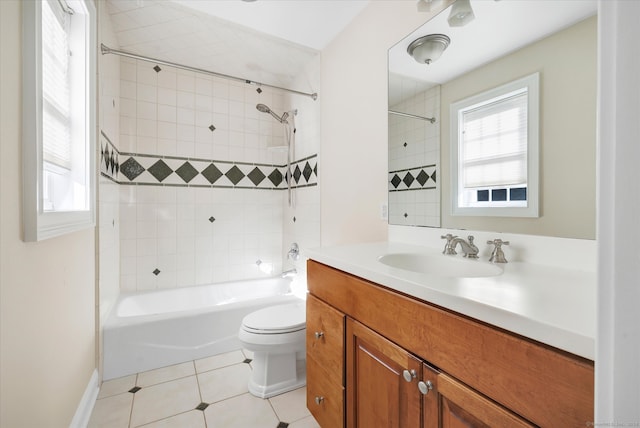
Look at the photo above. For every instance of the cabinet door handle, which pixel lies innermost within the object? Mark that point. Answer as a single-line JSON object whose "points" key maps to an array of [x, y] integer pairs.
{"points": [[319, 334], [319, 400], [425, 387], [409, 375]]}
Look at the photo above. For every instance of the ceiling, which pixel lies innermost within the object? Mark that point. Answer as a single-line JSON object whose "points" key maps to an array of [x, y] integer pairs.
{"points": [[268, 41]]}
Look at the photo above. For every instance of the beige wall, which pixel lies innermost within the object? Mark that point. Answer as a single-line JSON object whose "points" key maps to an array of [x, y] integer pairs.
{"points": [[353, 179], [567, 66], [47, 289]]}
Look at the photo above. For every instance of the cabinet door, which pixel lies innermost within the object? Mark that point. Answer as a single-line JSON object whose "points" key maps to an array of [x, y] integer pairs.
{"points": [[378, 395], [462, 407]]}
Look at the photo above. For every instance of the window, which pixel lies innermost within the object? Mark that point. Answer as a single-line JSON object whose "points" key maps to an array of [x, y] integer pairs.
{"points": [[58, 117], [494, 151]]}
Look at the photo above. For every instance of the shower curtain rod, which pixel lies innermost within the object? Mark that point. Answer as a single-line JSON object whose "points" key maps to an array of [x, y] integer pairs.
{"points": [[415, 116], [107, 50]]}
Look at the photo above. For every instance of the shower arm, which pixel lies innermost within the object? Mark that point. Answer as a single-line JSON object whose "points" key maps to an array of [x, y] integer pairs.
{"points": [[107, 50]]}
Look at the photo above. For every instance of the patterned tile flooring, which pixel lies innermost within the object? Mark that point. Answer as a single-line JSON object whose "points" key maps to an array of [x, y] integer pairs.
{"points": [[207, 393]]}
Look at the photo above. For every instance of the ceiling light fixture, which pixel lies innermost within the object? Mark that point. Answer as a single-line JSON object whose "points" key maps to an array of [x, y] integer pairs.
{"points": [[427, 49], [461, 14]]}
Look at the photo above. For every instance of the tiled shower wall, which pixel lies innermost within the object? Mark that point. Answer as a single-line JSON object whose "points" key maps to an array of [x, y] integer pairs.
{"points": [[414, 161], [202, 196]]}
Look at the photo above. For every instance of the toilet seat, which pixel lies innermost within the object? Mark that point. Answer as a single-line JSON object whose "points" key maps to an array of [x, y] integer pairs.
{"points": [[279, 319]]}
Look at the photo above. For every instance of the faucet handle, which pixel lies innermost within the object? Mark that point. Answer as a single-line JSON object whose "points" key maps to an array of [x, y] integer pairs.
{"points": [[498, 242], [497, 255], [447, 247]]}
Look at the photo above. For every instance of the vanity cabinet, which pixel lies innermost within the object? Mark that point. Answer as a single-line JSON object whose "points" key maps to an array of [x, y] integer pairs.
{"points": [[470, 373]]}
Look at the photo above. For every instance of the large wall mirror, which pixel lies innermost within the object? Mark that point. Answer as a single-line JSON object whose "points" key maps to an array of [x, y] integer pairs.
{"points": [[505, 42]]}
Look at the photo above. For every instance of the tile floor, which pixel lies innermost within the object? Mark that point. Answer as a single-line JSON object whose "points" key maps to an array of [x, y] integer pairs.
{"points": [[207, 393]]}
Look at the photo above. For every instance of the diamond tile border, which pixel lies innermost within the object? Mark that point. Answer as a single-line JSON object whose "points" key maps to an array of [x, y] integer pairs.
{"points": [[109, 158], [155, 170], [418, 178]]}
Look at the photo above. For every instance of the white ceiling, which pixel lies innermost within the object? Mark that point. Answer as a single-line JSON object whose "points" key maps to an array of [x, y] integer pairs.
{"points": [[311, 23], [268, 41]]}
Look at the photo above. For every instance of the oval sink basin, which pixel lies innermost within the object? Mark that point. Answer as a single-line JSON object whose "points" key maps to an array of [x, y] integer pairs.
{"points": [[448, 266]]}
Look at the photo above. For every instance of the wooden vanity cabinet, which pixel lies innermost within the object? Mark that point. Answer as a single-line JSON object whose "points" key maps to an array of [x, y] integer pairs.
{"points": [[478, 375]]}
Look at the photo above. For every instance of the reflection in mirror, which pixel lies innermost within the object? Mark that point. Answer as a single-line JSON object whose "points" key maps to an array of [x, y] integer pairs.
{"points": [[494, 151], [506, 41], [414, 155]]}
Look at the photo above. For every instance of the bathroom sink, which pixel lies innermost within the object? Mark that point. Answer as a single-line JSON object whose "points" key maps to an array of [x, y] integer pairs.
{"points": [[447, 266]]}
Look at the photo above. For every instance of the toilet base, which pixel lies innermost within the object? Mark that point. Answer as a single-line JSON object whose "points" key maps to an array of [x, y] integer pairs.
{"points": [[275, 374]]}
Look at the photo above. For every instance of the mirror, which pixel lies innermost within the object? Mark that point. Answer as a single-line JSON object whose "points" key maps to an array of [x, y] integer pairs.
{"points": [[506, 41]]}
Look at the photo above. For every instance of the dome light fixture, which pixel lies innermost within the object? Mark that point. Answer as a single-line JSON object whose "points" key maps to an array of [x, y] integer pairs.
{"points": [[429, 48]]}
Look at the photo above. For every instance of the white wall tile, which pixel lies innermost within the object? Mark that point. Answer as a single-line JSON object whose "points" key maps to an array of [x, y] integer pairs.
{"points": [[168, 114]]}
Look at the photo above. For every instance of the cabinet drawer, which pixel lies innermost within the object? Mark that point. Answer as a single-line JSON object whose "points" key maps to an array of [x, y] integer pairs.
{"points": [[325, 399], [325, 338]]}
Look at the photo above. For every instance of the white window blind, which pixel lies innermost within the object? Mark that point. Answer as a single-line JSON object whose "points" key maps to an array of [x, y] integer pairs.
{"points": [[494, 142], [56, 123]]}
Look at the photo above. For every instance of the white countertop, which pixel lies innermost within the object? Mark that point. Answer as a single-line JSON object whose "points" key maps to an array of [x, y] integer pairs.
{"points": [[550, 304]]}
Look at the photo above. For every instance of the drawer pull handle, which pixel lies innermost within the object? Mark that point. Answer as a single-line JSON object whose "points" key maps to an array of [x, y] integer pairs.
{"points": [[319, 334], [319, 400], [409, 375], [425, 387]]}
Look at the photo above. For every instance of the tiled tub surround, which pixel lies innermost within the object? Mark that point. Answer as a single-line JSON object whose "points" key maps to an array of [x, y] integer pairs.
{"points": [[201, 195], [414, 158]]}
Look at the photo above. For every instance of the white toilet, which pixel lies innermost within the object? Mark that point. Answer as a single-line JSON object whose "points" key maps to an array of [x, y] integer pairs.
{"points": [[276, 336]]}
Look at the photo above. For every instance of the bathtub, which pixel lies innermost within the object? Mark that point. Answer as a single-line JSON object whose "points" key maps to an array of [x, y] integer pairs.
{"points": [[148, 330]]}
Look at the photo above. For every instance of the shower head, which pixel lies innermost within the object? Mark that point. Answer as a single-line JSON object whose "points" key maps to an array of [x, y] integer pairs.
{"points": [[264, 109]]}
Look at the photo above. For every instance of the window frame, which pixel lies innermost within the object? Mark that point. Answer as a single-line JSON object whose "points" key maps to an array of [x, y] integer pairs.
{"points": [[39, 224], [532, 85]]}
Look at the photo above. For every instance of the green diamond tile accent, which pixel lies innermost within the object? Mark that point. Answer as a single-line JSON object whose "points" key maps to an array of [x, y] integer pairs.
{"points": [[187, 172], [160, 170], [275, 177], [256, 176], [307, 171], [212, 173], [422, 177], [235, 175], [131, 169]]}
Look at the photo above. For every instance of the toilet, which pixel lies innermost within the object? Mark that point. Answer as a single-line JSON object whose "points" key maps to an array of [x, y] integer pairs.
{"points": [[276, 336]]}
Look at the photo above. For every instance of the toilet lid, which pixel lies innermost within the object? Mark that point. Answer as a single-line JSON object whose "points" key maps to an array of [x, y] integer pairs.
{"points": [[276, 319]]}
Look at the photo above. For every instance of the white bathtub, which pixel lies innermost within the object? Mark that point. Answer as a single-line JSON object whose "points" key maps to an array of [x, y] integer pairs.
{"points": [[149, 330]]}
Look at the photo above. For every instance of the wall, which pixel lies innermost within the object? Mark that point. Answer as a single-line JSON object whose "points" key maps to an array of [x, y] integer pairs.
{"points": [[618, 334], [47, 289], [567, 65], [201, 192], [354, 120]]}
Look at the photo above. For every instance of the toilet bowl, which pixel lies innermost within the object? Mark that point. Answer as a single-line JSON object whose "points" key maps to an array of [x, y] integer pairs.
{"points": [[276, 336]]}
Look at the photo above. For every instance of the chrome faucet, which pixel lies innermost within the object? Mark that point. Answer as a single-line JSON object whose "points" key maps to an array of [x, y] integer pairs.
{"points": [[468, 248]]}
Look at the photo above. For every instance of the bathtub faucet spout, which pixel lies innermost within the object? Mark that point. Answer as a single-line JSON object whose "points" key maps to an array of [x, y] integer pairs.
{"points": [[289, 273]]}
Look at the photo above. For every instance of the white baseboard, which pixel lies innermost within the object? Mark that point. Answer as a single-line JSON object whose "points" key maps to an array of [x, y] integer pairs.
{"points": [[85, 407]]}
